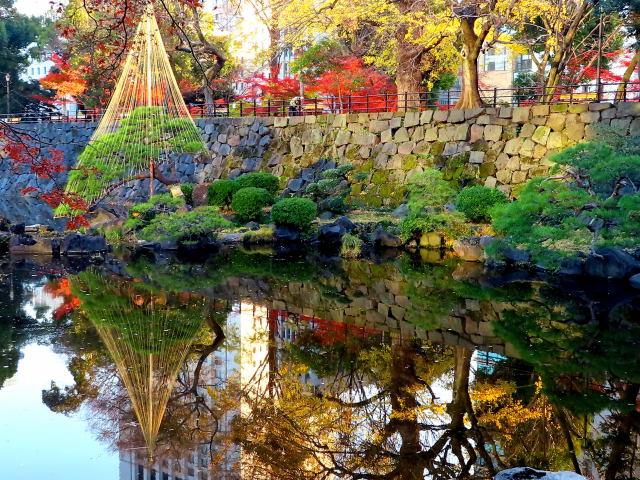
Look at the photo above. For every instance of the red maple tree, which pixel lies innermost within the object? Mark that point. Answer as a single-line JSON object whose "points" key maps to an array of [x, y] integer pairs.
{"points": [[66, 82]]}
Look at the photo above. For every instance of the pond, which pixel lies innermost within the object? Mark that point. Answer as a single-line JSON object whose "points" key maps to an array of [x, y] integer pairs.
{"points": [[247, 365]]}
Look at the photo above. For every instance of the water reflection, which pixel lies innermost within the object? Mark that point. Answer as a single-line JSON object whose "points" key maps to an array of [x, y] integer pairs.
{"points": [[253, 367]]}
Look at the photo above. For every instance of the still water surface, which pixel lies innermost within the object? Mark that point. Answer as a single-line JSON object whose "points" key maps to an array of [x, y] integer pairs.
{"points": [[249, 366]]}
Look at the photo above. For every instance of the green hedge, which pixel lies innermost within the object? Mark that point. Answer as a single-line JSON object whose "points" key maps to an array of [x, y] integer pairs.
{"points": [[294, 212], [259, 180], [475, 202], [247, 203], [220, 192]]}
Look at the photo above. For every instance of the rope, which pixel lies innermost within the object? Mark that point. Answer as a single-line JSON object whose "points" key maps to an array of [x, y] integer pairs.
{"points": [[145, 123]]}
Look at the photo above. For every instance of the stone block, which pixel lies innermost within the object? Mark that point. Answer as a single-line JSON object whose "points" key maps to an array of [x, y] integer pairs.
{"points": [[519, 177], [280, 122], [342, 138], [579, 108], [295, 146], [526, 150], [406, 148], [540, 110], [390, 148], [635, 127], [422, 148], [512, 147], [401, 135], [364, 152], [386, 136], [476, 157], [599, 107], [484, 120], [339, 121], [621, 125], [539, 151], [539, 121], [450, 148], [461, 132], [492, 133], [491, 182], [431, 134], [521, 114], [455, 116], [556, 121], [505, 112], [395, 122], [418, 134], [574, 131], [411, 119], [233, 140], [440, 116], [558, 108], [527, 130], [541, 134], [555, 140], [378, 126], [626, 109], [473, 113], [589, 117], [426, 116], [477, 133], [504, 176], [608, 114]]}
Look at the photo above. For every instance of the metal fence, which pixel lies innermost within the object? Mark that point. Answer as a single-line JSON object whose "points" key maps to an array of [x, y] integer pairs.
{"points": [[370, 103]]}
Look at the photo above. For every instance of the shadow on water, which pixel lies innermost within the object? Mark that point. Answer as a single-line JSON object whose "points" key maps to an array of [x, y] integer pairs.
{"points": [[248, 365]]}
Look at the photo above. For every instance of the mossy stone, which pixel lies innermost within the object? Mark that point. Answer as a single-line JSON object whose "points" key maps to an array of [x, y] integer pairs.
{"points": [[437, 148], [487, 169], [379, 177], [409, 162]]}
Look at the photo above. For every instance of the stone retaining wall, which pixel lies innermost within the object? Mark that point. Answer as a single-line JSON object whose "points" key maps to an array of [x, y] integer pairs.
{"points": [[501, 147]]}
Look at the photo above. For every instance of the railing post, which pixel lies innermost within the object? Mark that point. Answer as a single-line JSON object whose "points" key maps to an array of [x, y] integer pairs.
{"points": [[315, 106], [349, 105], [367, 102], [386, 101], [448, 98], [268, 107], [241, 107], [406, 103], [214, 109], [495, 97], [255, 106], [228, 108]]}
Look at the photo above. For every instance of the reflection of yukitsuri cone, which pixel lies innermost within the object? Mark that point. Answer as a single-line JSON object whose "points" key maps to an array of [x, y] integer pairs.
{"points": [[147, 336], [146, 121]]}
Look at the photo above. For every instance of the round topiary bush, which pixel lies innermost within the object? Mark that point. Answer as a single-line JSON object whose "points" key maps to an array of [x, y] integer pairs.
{"points": [[260, 180], [248, 203], [296, 213], [221, 192], [475, 202]]}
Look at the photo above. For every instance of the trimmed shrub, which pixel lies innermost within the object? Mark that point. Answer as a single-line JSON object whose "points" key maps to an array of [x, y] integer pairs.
{"points": [[259, 180], [141, 214], [199, 223], [451, 225], [187, 191], [297, 213], [428, 189], [221, 192], [247, 203], [475, 202]]}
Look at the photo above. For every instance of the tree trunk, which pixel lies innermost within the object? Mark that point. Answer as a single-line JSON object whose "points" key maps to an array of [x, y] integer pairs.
{"points": [[274, 52], [404, 403], [626, 76], [472, 44], [409, 56]]}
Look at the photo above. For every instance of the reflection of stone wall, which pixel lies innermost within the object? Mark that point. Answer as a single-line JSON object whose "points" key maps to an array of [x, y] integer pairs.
{"points": [[377, 297], [495, 147]]}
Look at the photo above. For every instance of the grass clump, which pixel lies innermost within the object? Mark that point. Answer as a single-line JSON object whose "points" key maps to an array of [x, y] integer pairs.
{"points": [[141, 214], [351, 246]]}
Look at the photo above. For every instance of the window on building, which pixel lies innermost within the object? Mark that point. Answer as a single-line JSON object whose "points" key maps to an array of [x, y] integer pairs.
{"points": [[38, 70], [523, 63], [495, 59]]}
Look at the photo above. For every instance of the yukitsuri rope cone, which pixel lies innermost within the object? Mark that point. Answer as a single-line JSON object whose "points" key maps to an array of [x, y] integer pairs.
{"points": [[146, 123], [148, 336]]}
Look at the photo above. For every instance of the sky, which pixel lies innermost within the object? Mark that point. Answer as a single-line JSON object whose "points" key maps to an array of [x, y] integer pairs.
{"points": [[33, 7]]}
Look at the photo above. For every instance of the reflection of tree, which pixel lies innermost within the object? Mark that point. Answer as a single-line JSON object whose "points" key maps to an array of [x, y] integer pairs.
{"points": [[588, 356], [148, 336]]}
